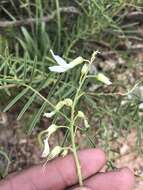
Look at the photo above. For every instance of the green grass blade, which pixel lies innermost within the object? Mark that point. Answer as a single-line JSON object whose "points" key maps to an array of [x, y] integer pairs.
{"points": [[36, 117], [20, 95], [58, 23], [5, 172], [26, 106]]}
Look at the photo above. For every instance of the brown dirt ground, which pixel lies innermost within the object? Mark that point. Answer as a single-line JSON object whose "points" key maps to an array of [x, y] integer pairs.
{"points": [[25, 152]]}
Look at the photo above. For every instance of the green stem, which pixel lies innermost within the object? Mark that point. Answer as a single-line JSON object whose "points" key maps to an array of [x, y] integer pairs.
{"points": [[72, 130], [77, 162]]}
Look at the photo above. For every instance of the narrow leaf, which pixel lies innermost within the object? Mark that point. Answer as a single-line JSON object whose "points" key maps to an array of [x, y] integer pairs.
{"points": [[20, 95], [26, 106]]}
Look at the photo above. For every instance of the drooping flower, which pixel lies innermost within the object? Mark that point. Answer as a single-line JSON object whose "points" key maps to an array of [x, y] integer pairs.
{"points": [[102, 78], [49, 114], [141, 106], [46, 150], [66, 102], [64, 153], [84, 69], [51, 129], [63, 66], [82, 115], [47, 133], [56, 150]]}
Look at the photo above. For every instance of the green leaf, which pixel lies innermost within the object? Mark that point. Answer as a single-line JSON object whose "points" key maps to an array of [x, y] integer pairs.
{"points": [[4, 173], [26, 106], [20, 95], [90, 101], [33, 69], [36, 117]]}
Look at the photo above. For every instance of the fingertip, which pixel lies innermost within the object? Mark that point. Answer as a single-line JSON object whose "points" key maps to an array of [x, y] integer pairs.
{"points": [[101, 154], [96, 158], [128, 178], [122, 179], [81, 188]]}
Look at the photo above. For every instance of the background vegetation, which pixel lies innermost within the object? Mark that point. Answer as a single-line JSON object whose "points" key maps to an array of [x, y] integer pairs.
{"points": [[29, 28]]}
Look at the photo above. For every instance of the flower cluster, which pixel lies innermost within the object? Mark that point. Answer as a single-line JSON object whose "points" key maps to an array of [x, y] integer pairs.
{"points": [[63, 66]]}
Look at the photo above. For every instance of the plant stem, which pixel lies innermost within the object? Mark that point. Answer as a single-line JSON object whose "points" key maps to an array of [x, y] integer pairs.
{"points": [[77, 162]]}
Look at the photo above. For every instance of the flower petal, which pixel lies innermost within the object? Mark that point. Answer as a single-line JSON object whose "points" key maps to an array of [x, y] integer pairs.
{"points": [[46, 150], [50, 114], [56, 150], [141, 106], [58, 69], [58, 59]]}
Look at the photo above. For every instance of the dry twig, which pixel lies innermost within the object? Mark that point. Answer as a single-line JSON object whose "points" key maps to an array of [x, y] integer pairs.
{"points": [[48, 18]]}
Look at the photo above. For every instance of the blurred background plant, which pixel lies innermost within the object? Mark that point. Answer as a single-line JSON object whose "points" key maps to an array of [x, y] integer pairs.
{"points": [[29, 28]]}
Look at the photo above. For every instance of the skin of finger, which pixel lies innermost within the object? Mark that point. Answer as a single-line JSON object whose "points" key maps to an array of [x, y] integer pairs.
{"points": [[81, 188], [119, 180], [59, 173]]}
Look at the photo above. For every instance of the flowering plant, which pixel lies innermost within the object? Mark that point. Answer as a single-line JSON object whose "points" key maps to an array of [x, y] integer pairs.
{"points": [[75, 114]]}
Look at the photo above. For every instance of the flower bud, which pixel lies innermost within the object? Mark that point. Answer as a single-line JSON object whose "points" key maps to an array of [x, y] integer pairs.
{"points": [[56, 150], [141, 106], [50, 114], [85, 69], [77, 61], [64, 153], [102, 78], [86, 123], [80, 114], [68, 102], [94, 55], [59, 105], [51, 129]]}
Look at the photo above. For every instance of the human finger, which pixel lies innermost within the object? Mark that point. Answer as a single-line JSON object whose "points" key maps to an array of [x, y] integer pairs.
{"points": [[59, 173], [117, 180]]}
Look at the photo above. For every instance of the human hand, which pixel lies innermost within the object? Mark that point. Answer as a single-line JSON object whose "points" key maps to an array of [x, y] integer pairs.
{"points": [[60, 174]]}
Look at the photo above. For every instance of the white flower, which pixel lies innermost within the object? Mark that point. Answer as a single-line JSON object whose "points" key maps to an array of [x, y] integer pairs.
{"points": [[51, 129], [81, 115], [65, 152], [50, 114], [48, 132], [102, 78], [56, 150], [68, 102], [86, 123], [84, 69], [141, 106], [46, 150], [65, 102], [62, 65]]}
